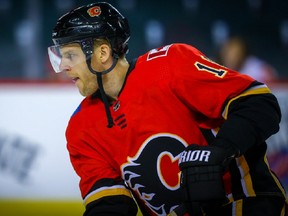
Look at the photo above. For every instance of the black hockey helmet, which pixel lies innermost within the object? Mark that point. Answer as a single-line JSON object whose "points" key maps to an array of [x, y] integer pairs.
{"points": [[85, 24], [96, 20]]}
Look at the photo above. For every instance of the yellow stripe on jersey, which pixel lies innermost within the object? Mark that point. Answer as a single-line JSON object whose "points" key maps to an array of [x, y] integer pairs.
{"points": [[237, 208], [106, 191], [261, 89], [275, 178], [246, 179]]}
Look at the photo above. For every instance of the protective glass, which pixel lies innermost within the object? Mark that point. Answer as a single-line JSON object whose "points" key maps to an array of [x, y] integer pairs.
{"points": [[65, 57]]}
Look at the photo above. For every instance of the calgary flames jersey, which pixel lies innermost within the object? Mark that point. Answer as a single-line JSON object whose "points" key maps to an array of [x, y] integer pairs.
{"points": [[170, 95]]}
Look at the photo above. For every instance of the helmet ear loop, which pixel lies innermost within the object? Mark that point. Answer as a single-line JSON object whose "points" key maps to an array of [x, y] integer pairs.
{"points": [[105, 101], [88, 51], [87, 48]]}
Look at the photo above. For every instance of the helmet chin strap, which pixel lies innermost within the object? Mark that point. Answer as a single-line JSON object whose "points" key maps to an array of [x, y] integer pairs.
{"points": [[100, 84]]}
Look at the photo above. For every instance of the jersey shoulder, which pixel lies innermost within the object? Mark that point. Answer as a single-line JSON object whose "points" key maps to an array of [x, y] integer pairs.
{"points": [[82, 115], [170, 51], [168, 59]]}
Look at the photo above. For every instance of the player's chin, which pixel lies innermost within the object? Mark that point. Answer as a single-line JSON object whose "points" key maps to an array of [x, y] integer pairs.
{"points": [[86, 91], [82, 89], [83, 94]]}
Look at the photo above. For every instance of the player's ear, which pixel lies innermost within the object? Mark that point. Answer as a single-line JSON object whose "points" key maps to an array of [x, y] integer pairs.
{"points": [[105, 53]]}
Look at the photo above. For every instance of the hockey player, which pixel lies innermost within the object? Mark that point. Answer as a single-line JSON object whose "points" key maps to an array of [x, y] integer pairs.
{"points": [[170, 131]]}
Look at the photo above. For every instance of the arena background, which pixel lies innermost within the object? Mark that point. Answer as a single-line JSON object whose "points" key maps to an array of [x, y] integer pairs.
{"points": [[36, 177]]}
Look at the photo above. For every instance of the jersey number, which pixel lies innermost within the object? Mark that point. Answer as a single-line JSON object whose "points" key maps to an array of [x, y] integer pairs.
{"points": [[217, 72], [160, 52]]}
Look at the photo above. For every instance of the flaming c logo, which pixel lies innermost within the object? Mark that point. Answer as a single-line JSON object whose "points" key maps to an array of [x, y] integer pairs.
{"points": [[153, 173], [94, 11]]}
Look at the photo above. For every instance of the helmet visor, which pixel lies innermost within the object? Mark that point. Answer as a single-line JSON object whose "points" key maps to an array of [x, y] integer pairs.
{"points": [[65, 57]]}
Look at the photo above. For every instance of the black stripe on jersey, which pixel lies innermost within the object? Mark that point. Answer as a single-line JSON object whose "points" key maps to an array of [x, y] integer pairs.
{"points": [[110, 206], [110, 197]]}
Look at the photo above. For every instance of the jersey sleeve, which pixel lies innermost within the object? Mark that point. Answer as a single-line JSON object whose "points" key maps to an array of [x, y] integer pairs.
{"points": [[242, 111], [203, 85]]}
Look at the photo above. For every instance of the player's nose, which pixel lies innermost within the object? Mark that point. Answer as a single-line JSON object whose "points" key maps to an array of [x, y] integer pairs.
{"points": [[64, 67]]}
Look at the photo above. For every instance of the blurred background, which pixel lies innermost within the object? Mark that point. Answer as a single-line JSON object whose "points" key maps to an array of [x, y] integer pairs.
{"points": [[36, 177], [26, 28]]}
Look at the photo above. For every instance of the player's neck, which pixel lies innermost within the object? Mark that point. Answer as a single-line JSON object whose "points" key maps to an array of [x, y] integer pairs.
{"points": [[113, 81]]}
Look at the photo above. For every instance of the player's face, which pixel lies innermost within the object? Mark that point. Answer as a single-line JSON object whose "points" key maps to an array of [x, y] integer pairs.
{"points": [[73, 63]]}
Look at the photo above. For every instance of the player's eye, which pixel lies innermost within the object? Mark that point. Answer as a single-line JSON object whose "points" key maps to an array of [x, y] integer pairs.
{"points": [[70, 56]]}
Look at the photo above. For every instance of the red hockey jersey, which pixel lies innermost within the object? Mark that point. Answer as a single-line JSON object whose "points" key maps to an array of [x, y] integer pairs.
{"points": [[170, 94]]}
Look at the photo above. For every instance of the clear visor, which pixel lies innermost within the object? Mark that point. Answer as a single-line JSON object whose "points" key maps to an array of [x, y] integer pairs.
{"points": [[65, 57]]}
